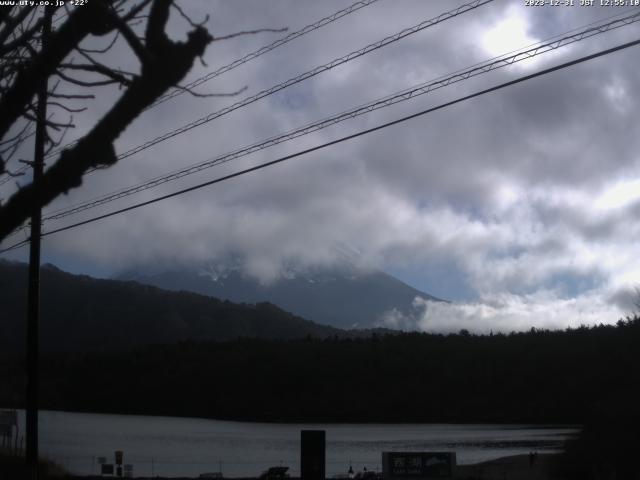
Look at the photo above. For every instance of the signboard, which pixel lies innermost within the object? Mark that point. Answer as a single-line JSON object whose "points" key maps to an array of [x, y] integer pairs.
{"points": [[418, 465], [106, 469], [128, 470], [119, 455]]}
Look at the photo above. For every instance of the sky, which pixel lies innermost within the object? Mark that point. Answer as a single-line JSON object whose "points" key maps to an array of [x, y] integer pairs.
{"points": [[521, 207]]}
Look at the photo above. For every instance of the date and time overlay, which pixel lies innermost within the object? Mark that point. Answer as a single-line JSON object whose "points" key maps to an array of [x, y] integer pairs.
{"points": [[527, 3], [581, 3]]}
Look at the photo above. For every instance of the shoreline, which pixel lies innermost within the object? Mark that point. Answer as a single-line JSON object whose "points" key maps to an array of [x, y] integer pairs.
{"points": [[311, 421], [512, 467]]}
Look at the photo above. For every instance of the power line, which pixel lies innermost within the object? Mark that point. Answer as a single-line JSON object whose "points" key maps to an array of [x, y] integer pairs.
{"points": [[306, 75], [483, 67], [230, 66], [349, 114], [267, 48], [251, 56], [292, 81], [337, 141]]}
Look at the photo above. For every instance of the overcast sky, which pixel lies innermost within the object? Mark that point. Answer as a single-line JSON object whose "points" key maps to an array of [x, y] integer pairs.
{"points": [[521, 206]]}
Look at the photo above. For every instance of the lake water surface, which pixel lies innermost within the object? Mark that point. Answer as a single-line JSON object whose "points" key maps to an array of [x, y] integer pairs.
{"points": [[172, 446]]}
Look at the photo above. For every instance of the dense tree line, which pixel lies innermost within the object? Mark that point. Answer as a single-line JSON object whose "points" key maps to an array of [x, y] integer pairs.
{"points": [[538, 376]]}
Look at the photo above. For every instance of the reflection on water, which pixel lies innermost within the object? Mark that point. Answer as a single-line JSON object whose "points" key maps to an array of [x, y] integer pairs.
{"points": [[171, 446]]}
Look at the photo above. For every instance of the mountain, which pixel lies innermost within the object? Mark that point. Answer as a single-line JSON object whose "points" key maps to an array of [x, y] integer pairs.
{"points": [[80, 313], [346, 297]]}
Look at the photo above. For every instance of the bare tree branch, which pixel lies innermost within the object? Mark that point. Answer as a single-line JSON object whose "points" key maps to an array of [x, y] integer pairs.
{"points": [[164, 64], [22, 39], [251, 32], [60, 44], [188, 19], [49, 123], [131, 38], [11, 23], [209, 95], [101, 50], [116, 76], [83, 83], [72, 96], [135, 10], [18, 135], [68, 109]]}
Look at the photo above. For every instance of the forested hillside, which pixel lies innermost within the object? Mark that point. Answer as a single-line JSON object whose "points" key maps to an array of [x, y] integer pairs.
{"points": [[80, 313]]}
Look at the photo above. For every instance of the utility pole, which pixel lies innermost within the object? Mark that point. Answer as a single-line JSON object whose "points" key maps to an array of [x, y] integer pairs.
{"points": [[33, 294]]}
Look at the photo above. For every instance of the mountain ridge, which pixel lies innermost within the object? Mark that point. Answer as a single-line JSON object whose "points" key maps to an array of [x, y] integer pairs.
{"points": [[79, 313], [344, 297]]}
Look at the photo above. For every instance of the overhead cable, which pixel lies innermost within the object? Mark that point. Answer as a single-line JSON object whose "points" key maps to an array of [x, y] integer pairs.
{"points": [[251, 56], [267, 48], [337, 141], [393, 99], [304, 76]]}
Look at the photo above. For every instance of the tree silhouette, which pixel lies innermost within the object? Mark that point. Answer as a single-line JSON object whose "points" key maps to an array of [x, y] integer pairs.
{"points": [[67, 61]]}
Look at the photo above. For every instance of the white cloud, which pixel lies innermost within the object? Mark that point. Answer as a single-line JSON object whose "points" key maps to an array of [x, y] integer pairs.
{"points": [[507, 312], [509, 33], [619, 194]]}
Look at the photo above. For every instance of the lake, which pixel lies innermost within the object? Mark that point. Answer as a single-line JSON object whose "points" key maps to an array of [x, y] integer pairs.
{"points": [[172, 446]]}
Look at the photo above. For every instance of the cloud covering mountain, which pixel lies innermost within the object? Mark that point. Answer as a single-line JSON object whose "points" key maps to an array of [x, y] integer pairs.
{"points": [[522, 205], [343, 296]]}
